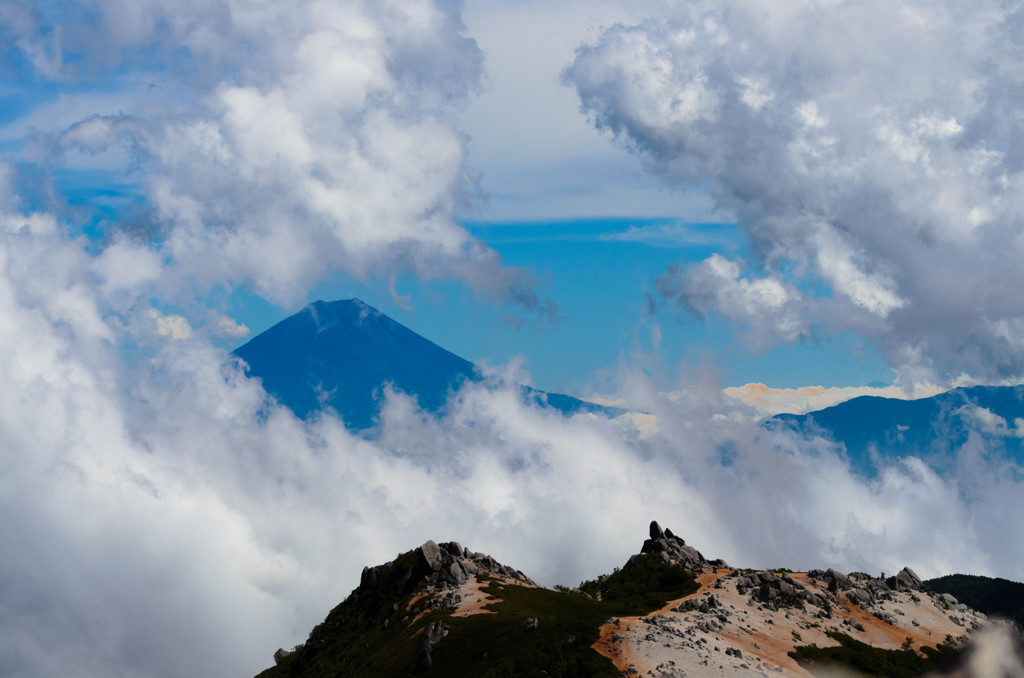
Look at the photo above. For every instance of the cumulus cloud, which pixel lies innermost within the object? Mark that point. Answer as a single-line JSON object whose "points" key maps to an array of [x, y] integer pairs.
{"points": [[227, 328], [278, 142], [164, 516], [871, 152]]}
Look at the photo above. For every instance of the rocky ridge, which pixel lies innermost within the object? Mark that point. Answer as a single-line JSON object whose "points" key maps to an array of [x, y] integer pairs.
{"points": [[738, 622], [432, 577], [745, 622], [672, 549]]}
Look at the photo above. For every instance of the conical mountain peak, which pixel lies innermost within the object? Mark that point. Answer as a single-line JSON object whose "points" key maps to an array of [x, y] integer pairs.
{"points": [[340, 354]]}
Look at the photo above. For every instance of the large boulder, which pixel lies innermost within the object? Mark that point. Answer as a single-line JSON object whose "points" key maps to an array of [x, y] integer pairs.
{"points": [[837, 581], [430, 554], [860, 597], [455, 574]]}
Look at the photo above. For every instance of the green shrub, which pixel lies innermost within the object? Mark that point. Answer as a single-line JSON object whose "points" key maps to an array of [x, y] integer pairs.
{"points": [[872, 661]]}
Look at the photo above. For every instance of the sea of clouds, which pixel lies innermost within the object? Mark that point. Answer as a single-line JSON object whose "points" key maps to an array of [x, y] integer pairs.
{"points": [[161, 517]]}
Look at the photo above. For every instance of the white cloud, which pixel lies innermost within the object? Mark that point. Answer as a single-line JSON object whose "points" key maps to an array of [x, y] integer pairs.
{"points": [[837, 263], [667, 234], [171, 325], [332, 146], [870, 151], [125, 266], [227, 328], [990, 423], [766, 305]]}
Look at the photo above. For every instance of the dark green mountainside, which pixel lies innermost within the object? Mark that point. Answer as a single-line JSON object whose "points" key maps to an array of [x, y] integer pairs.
{"points": [[993, 596]]}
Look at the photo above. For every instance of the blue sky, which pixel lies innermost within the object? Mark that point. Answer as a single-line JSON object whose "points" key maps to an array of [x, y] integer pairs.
{"points": [[646, 200]]}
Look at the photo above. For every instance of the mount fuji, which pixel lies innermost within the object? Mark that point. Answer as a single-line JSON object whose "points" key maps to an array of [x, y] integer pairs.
{"points": [[341, 354]]}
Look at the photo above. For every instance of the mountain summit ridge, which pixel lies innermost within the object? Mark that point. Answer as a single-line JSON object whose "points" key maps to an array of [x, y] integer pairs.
{"points": [[668, 612]]}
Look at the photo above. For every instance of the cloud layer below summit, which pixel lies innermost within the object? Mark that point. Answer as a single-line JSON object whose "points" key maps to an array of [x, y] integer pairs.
{"points": [[161, 518]]}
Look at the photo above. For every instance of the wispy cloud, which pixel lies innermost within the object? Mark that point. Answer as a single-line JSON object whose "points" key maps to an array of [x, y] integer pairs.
{"points": [[673, 234]]}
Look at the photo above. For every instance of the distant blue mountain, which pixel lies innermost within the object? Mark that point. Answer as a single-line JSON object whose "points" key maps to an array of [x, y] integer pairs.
{"points": [[929, 428], [340, 354]]}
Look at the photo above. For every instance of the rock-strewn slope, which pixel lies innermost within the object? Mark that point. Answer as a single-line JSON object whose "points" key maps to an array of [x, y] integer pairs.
{"points": [[751, 621]]}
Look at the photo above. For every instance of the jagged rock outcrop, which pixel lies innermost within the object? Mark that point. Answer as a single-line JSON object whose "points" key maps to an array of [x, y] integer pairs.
{"points": [[430, 577], [673, 549], [835, 580], [780, 590], [905, 580]]}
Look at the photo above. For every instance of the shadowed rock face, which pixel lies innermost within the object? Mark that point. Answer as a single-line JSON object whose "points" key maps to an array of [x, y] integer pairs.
{"points": [[431, 636]]}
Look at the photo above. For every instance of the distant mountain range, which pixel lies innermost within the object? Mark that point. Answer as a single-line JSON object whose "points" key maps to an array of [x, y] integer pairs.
{"points": [[871, 427], [341, 354], [444, 610]]}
